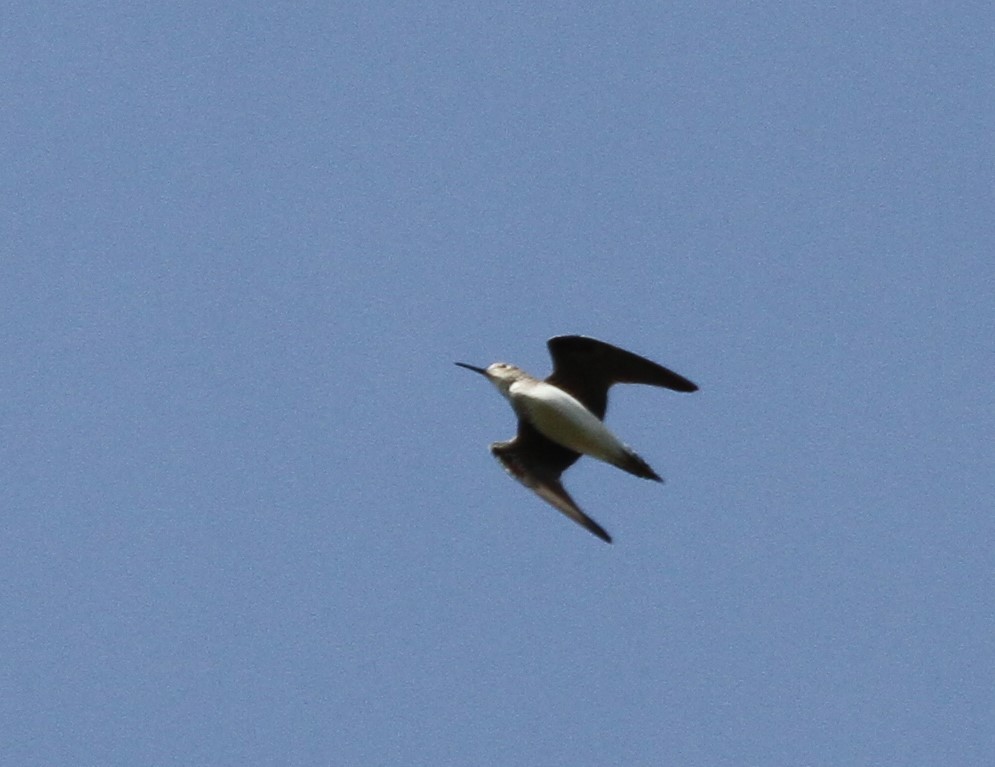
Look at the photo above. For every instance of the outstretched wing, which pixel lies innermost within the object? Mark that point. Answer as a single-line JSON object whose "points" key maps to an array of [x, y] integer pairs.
{"points": [[537, 463], [586, 368]]}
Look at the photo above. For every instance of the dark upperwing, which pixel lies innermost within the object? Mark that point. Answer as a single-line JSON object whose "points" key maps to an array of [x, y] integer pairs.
{"points": [[586, 368]]}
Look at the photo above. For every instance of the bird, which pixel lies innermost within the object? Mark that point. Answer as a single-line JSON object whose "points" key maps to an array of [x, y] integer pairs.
{"points": [[562, 417]]}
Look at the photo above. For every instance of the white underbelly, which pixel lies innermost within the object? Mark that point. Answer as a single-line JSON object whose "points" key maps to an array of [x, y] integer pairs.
{"points": [[562, 418]]}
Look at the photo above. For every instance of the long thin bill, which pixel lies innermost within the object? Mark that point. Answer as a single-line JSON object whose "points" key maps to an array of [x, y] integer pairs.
{"points": [[475, 369]]}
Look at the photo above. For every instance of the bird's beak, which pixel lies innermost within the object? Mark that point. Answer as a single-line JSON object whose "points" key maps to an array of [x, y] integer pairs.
{"points": [[473, 368]]}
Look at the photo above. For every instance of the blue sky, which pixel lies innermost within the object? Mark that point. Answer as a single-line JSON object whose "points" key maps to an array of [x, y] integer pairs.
{"points": [[249, 514]]}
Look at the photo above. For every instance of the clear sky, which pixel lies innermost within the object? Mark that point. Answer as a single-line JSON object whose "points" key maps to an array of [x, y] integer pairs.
{"points": [[248, 512]]}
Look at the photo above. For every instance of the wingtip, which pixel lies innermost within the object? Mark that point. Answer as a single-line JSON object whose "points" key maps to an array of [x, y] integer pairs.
{"points": [[680, 384], [601, 533]]}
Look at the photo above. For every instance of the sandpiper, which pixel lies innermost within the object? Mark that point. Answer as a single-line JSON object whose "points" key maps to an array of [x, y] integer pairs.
{"points": [[561, 418]]}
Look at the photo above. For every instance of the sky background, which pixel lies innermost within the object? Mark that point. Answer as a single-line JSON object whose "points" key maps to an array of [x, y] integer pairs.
{"points": [[249, 516]]}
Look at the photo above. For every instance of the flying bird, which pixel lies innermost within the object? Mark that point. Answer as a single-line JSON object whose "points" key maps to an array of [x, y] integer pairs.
{"points": [[561, 418]]}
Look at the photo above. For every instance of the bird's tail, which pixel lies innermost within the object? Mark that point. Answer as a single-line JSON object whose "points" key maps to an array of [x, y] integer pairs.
{"points": [[632, 463]]}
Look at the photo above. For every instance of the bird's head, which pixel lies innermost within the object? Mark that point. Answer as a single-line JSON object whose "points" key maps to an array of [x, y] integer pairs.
{"points": [[501, 374]]}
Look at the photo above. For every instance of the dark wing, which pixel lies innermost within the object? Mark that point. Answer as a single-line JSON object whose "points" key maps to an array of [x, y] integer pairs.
{"points": [[586, 368], [537, 463]]}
